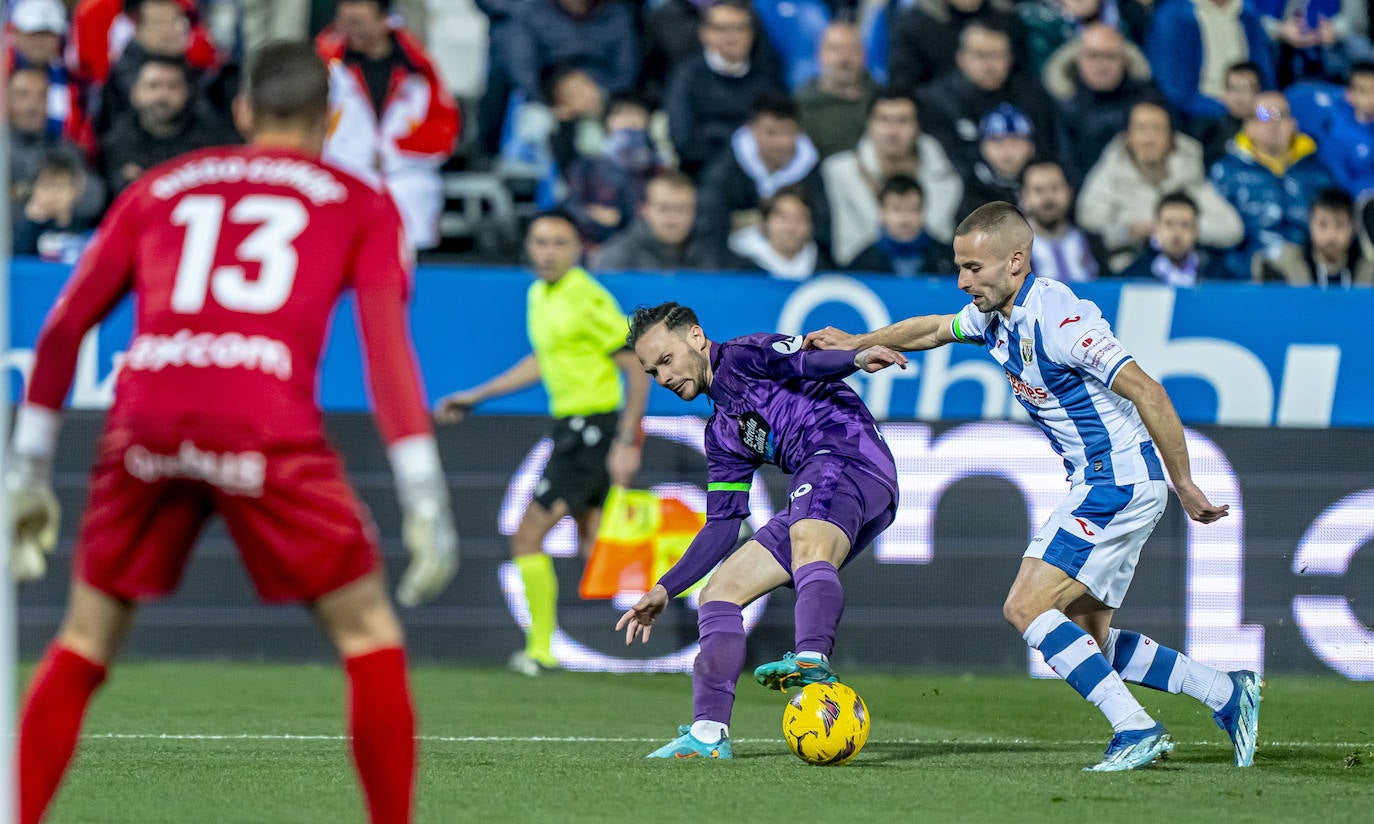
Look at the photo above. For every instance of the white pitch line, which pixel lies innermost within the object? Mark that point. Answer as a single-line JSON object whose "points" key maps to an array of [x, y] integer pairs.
{"points": [[539, 739]]}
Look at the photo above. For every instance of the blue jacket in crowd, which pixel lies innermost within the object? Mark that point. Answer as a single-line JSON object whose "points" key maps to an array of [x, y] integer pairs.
{"points": [[1273, 207], [1174, 48], [602, 43]]}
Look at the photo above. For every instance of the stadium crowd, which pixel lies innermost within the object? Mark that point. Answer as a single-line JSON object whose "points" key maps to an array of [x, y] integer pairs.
{"points": [[1175, 140]]}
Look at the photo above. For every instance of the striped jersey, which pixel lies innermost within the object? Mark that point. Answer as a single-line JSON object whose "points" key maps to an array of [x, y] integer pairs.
{"points": [[1061, 357]]}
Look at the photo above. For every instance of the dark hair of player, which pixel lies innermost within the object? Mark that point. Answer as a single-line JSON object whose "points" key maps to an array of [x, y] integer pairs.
{"points": [[995, 218], [288, 83], [672, 315]]}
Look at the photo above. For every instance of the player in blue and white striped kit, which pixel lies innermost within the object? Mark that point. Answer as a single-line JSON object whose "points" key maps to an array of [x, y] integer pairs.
{"points": [[1107, 418]]}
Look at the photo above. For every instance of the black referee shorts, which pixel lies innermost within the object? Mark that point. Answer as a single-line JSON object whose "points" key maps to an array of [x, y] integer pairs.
{"points": [[576, 471]]}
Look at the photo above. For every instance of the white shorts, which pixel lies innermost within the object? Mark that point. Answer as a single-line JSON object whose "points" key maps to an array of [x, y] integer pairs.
{"points": [[1096, 534]]}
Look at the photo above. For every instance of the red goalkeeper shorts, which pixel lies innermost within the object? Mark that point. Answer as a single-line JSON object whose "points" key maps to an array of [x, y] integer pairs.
{"points": [[301, 531]]}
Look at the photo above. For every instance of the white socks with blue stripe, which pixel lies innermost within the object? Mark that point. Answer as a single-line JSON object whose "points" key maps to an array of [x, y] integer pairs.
{"points": [[1074, 656], [1141, 660]]}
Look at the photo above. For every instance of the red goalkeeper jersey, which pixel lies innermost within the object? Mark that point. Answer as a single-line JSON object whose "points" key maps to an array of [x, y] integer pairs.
{"points": [[236, 257]]}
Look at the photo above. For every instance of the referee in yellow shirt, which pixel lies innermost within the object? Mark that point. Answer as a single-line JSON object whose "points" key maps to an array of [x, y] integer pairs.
{"points": [[577, 332]]}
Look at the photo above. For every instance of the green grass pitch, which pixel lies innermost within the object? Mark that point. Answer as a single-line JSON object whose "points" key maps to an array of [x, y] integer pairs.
{"points": [[226, 743]]}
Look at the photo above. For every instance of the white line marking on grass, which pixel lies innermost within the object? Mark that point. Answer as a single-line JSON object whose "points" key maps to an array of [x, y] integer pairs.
{"points": [[540, 739]]}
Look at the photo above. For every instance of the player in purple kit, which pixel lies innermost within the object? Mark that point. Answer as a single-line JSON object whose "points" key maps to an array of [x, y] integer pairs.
{"points": [[774, 403]]}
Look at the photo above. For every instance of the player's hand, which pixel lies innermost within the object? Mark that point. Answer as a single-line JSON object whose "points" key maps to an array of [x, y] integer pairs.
{"points": [[639, 619], [1196, 504], [830, 338], [428, 533], [876, 358], [623, 463], [33, 506], [453, 408]]}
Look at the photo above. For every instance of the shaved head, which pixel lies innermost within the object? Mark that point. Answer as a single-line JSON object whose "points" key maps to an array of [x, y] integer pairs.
{"points": [[1003, 223], [992, 250]]}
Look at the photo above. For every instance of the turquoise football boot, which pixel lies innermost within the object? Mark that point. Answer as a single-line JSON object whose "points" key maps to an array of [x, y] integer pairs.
{"points": [[687, 745], [1240, 717], [792, 671], [1134, 749]]}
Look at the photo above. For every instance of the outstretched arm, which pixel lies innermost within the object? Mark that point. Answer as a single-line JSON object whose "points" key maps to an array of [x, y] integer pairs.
{"points": [[708, 548], [910, 335], [1165, 428], [452, 408]]}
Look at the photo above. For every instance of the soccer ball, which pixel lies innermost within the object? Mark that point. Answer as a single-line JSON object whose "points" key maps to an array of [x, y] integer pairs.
{"points": [[825, 724]]}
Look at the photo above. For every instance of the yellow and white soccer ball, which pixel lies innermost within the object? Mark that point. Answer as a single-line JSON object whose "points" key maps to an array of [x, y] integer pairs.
{"points": [[825, 724]]}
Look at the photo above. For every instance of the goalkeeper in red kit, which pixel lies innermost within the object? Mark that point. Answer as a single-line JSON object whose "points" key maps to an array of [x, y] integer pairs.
{"points": [[236, 257]]}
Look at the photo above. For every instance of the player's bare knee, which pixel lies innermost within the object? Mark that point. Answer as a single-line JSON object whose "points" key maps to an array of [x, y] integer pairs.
{"points": [[715, 590], [95, 623], [1018, 612], [359, 619]]}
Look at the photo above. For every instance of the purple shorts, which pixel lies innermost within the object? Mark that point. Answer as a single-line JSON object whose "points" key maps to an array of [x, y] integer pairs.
{"points": [[836, 491]]}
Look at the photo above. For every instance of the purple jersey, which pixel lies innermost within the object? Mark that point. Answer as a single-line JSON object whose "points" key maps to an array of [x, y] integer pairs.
{"points": [[775, 403]]}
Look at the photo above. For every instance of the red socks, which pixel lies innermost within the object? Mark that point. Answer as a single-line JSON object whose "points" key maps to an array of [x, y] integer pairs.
{"points": [[50, 725], [382, 721]]}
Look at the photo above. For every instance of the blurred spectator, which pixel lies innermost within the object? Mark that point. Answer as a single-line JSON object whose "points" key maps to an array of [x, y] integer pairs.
{"points": [[923, 36], [1061, 251], [1316, 39], [1095, 80], [765, 155], [953, 106], [37, 28], [892, 144], [662, 237], [1050, 24], [1172, 255], [1242, 84], [1137, 168], [47, 224], [102, 29], [782, 243], [1190, 67], [161, 28], [1366, 226], [1270, 174], [26, 120], [1348, 149], [597, 36], [709, 96], [672, 36], [578, 110], [166, 120], [605, 192], [263, 21], [391, 114], [1006, 145], [491, 110], [833, 105], [903, 247], [1332, 254]]}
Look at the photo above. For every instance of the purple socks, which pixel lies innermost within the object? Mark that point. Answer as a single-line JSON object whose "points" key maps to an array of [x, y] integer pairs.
{"points": [[721, 626], [820, 603]]}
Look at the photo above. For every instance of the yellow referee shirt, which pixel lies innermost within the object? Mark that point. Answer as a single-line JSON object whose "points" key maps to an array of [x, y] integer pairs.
{"points": [[574, 325]]}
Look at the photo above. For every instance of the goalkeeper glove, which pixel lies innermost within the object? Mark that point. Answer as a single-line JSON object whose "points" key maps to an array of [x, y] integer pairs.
{"points": [[34, 513], [426, 520]]}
